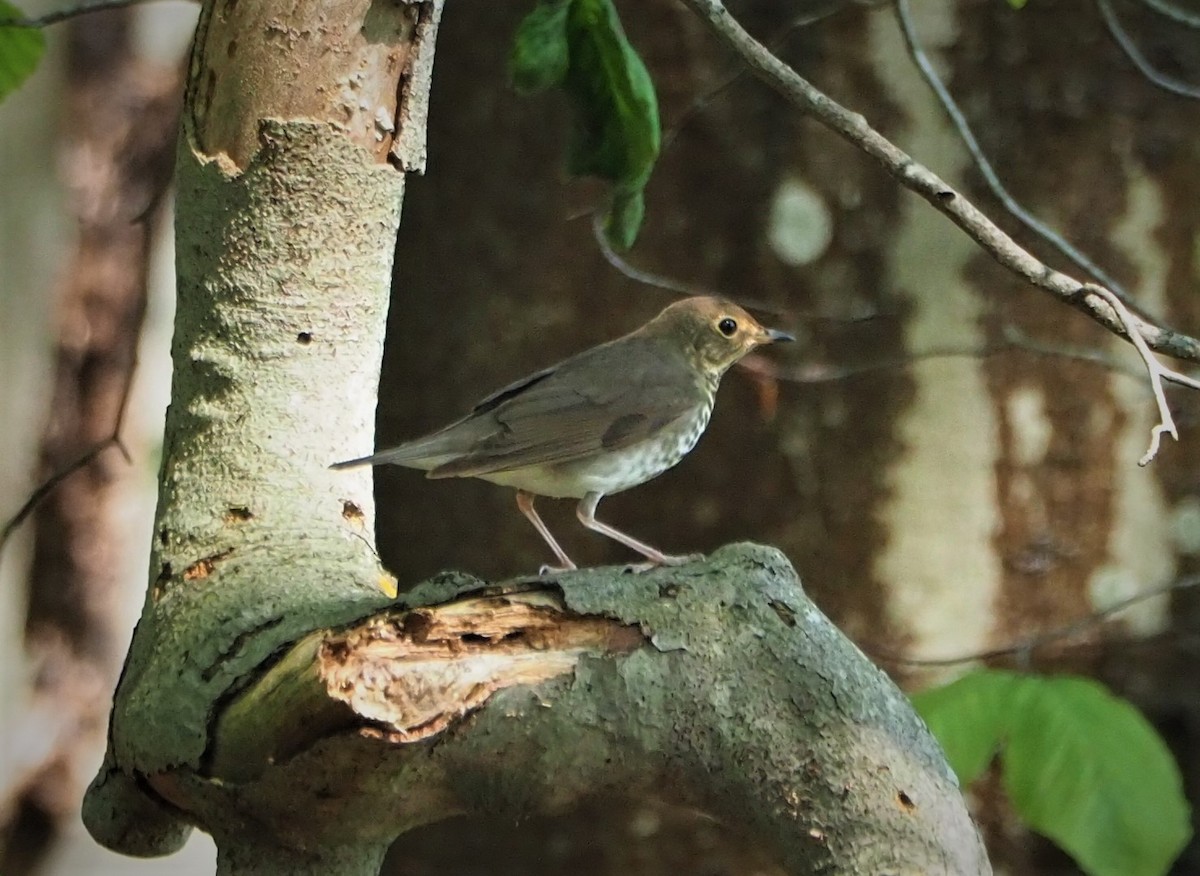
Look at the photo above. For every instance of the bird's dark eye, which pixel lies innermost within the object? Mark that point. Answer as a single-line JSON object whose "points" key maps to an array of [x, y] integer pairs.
{"points": [[727, 327]]}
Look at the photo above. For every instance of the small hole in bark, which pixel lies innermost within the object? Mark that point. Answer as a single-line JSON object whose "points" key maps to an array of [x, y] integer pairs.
{"points": [[905, 801], [304, 337], [473, 639], [163, 536], [351, 511], [238, 514]]}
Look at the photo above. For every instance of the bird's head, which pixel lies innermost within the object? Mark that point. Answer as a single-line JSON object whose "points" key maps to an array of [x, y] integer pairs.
{"points": [[713, 332]]}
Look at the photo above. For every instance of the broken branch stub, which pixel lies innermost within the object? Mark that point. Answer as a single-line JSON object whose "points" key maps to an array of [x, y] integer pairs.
{"points": [[716, 685]]}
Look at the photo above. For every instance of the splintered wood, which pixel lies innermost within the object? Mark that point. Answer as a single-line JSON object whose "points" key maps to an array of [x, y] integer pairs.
{"points": [[412, 674]]}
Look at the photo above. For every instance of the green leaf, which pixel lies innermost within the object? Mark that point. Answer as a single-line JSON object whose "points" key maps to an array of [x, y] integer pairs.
{"points": [[20, 50], [540, 53], [624, 216], [580, 45], [967, 718], [1080, 765]]}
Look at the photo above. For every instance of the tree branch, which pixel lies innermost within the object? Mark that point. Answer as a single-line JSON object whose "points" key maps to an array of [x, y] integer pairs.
{"points": [[1000, 246], [1173, 12], [1029, 644], [1140, 61], [717, 686], [990, 177], [66, 14]]}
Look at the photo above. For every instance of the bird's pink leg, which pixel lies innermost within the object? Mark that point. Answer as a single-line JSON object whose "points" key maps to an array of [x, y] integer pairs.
{"points": [[525, 503], [586, 511]]}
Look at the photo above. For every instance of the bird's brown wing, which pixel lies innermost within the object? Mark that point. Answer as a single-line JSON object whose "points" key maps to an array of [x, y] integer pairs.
{"points": [[595, 402]]}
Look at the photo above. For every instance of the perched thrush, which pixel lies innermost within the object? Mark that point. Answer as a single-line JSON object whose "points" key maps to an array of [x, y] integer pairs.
{"points": [[600, 422]]}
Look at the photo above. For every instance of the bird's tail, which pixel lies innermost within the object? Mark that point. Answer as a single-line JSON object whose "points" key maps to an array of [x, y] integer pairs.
{"points": [[421, 454]]}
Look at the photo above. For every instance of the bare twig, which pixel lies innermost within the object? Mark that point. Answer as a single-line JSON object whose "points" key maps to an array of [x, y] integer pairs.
{"points": [[702, 101], [660, 281], [1013, 340], [1173, 12], [46, 487], [615, 259], [1032, 643], [1129, 47], [990, 177], [1156, 371], [61, 15], [855, 129]]}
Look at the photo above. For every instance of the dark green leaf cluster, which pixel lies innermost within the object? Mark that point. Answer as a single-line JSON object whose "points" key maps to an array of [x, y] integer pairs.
{"points": [[580, 47]]}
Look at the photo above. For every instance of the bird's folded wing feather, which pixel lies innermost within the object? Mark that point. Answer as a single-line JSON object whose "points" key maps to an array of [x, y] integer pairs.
{"points": [[576, 411]]}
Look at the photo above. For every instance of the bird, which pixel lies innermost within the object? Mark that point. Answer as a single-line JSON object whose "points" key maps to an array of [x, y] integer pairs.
{"points": [[602, 421]]}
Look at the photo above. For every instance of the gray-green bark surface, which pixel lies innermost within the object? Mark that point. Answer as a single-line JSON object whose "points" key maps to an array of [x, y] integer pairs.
{"points": [[266, 394], [276, 351]]}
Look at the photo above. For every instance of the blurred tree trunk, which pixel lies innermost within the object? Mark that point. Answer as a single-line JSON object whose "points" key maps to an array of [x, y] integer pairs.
{"points": [[119, 132], [935, 507]]}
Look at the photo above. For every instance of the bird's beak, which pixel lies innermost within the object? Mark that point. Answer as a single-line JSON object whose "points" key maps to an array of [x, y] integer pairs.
{"points": [[775, 336]]}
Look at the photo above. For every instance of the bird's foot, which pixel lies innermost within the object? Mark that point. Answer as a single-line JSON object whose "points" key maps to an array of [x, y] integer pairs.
{"points": [[547, 569], [662, 560]]}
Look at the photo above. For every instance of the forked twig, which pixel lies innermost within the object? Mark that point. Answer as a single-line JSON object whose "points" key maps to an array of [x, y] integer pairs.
{"points": [[1154, 368], [46, 487], [910, 173]]}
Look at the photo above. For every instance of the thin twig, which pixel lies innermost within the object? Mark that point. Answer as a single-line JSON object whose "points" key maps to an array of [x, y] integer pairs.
{"points": [[916, 177], [1173, 12], [660, 281], [987, 171], [61, 15], [1032, 643], [1013, 340], [1156, 371], [46, 487], [702, 101], [615, 259], [1129, 47]]}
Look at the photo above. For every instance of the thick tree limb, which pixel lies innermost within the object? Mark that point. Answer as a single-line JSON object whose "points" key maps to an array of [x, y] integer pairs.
{"points": [[717, 685], [916, 177]]}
